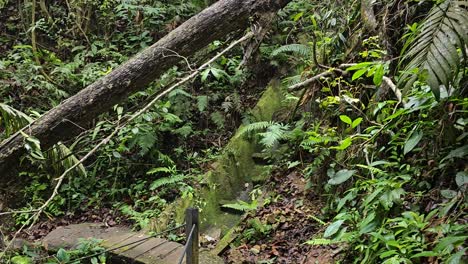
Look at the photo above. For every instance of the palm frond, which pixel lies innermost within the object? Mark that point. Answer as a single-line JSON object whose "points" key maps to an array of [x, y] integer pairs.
{"points": [[62, 158], [12, 119], [433, 53], [300, 49]]}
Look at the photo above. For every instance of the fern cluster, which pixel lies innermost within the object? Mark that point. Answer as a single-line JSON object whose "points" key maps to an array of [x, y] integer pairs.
{"points": [[299, 49], [167, 180], [274, 132]]}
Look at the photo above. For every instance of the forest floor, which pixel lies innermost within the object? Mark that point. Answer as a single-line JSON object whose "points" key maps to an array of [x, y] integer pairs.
{"points": [[103, 215], [278, 230], [283, 226]]}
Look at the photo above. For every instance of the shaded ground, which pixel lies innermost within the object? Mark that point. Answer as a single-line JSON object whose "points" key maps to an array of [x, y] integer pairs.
{"points": [[276, 233], [104, 216]]}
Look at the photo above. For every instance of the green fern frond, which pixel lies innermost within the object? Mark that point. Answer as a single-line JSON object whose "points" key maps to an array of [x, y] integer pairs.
{"points": [[162, 170], [254, 127], [274, 134], [179, 92], [166, 181], [320, 242], [292, 80], [433, 52], [299, 49], [12, 119], [242, 206]]}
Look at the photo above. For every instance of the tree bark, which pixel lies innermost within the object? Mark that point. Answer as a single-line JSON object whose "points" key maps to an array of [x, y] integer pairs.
{"points": [[62, 122]]}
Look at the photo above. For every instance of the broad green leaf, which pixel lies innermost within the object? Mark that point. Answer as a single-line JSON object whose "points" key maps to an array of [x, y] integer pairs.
{"points": [[368, 224], [21, 260], [388, 253], [378, 75], [62, 255], [457, 258], [457, 153], [346, 119], [425, 254], [356, 122], [359, 66], [461, 178], [333, 228], [204, 75], [448, 194], [358, 74], [449, 241], [413, 141], [341, 176], [217, 73], [345, 143], [298, 16]]}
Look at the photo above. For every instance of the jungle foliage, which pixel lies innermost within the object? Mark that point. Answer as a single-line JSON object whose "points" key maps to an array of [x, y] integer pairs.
{"points": [[381, 139]]}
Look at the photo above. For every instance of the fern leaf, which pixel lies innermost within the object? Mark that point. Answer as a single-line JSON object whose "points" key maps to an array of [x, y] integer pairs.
{"points": [[162, 169], [242, 206], [202, 103], [433, 51], [320, 242], [300, 49], [166, 181], [274, 134], [254, 127]]}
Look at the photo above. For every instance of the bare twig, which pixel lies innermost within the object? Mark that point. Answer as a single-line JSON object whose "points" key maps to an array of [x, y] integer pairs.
{"points": [[392, 86], [179, 56], [317, 77]]}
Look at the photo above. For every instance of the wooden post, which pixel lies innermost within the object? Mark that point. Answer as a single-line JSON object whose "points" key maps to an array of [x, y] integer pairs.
{"points": [[191, 218]]}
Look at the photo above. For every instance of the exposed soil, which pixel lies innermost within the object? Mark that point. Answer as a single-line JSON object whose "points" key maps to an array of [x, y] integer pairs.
{"points": [[287, 224]]}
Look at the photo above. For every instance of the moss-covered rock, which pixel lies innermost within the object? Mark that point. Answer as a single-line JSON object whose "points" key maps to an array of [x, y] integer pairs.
{"points": [[235, 169]]}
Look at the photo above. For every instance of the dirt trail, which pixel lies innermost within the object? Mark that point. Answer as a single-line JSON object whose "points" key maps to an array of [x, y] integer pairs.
{"points": [[277, 232]]}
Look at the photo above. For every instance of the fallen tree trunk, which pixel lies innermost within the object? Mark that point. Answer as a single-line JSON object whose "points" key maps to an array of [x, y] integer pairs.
{"points": [[63, 121]]}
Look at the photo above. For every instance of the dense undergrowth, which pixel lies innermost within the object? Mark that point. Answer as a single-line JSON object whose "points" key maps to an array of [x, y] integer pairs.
{"points": [[380, 140]]}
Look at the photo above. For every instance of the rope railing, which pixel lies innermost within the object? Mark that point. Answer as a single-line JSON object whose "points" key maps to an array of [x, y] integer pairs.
{"points": [[191, 247]]}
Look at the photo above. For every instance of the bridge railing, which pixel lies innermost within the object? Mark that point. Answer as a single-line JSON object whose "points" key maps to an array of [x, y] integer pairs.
{"points": [[191, 247]]}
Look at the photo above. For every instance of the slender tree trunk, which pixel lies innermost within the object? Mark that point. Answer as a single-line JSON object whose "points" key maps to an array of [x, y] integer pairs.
{"points": [[63, 121]]}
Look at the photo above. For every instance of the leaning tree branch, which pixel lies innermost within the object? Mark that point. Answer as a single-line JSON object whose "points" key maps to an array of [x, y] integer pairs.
{"points": [[213, 23], [195, 73]]}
